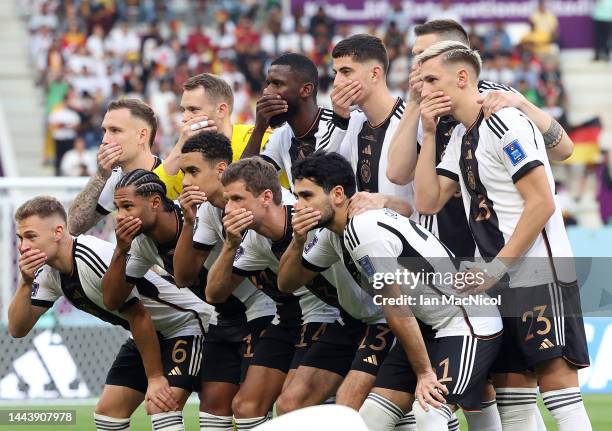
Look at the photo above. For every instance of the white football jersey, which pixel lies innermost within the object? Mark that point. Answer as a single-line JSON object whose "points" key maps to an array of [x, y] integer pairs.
{"points": [[175, 312], [258, 258], [106, 201], [325, 253], [487, 161], [382, 242], [366, 146], [208, 234], [284, 148]]}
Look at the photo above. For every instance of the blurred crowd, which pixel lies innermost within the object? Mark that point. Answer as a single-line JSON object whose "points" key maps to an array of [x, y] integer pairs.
{"points": [[88, 52]]}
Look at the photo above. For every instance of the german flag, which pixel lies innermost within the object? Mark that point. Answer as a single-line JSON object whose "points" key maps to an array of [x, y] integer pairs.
{"points": [[586, 142]]}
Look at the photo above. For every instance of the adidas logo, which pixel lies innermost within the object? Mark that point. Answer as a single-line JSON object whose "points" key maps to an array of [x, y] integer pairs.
{"points": [[176, 371], [371, 360], [546, 344]]}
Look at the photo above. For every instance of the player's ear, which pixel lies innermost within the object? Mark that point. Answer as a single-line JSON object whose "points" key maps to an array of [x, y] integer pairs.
{"points": [[337, 194], [220, 168], [223, 110], [267, 197], [155, 201], [376, 74], [306, 90], [59, 232], [462, 78], [143, 136]]}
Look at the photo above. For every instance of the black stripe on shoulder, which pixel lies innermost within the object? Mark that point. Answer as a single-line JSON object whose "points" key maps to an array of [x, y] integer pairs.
{"points": [[349, 240], [494, 129], [326, 113], [490, 85], [525, 169], [87, 261], [101, 210], [327, 137], [83, 255], [41, 303], [38, 271], [354, 232], [93, 254], [499, 121]]}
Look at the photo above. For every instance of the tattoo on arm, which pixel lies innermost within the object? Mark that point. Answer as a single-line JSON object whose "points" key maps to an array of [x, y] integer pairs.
{"points": [[553, 135], [82, 214]]}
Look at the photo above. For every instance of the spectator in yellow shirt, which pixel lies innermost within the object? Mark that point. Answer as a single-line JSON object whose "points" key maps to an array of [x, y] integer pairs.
{"points": [[207, 104], [544, 21]]}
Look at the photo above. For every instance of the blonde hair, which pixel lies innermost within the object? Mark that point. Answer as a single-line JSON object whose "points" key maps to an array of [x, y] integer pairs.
{"points": [[452, 52]]}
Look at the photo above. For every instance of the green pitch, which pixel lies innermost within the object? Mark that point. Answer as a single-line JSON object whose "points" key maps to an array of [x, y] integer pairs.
{"points": [[598, 407]]}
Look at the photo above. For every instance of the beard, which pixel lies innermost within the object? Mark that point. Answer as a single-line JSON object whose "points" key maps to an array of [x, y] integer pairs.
{"points": [[327, 216], [280, 119]]}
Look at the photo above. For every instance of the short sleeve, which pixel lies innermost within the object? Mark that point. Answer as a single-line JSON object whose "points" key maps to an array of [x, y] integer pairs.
{"points": [[514, 138], [319, 253], [273, 149], [250, 257], [46, 288], [449, 165], [205, 236], [373, 248], [331, 136], [138, 263], [106, 201], [174, 183]]}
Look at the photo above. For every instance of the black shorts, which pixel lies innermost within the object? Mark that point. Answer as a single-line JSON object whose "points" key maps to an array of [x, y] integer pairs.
{"points": [[541, 323], [335, 349], [228, 350], [181, 359], [373, 349], [462, 363], [283, 347]]}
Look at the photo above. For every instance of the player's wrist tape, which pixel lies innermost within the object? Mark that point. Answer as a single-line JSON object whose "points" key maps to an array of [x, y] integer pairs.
{"points": [[495, 269], [199, 125]]}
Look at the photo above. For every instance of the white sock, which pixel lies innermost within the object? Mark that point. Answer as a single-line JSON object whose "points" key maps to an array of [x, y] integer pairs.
{"points": [[566, 406], [407, 423], [380, 414], [167, 421], [249, 423], [485, 420], [539, 419], [515, 406], [436, 419], [107, 423], [453, 423], [210, 422]]}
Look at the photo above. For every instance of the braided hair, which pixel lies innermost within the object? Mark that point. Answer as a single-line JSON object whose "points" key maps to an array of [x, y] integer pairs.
{"points": [[146, 183]]}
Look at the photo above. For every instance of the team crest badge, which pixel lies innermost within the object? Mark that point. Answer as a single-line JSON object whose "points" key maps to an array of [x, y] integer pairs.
{"points": [[365, 172]]}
